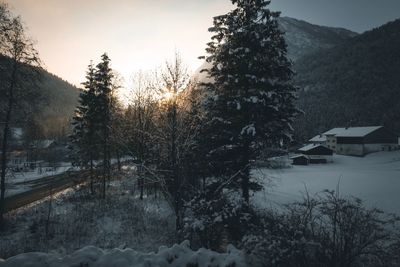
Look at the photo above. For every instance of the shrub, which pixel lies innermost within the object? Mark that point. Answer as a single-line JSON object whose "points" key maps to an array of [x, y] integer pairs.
{"points": [[328, 230]]}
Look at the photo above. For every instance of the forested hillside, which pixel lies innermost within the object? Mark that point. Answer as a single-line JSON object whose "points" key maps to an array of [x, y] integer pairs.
{"points": [[356, 83], [58, 99]]}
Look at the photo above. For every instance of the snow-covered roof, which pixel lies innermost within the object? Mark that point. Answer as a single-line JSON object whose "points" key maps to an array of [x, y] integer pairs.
{"points": [[334, 131], [309, 147], [352, 131], [358, 131], [300, 156], [318, 138]]}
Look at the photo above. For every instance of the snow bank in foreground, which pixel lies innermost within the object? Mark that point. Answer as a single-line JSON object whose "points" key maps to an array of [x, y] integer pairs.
{"points": [[176, 256]]}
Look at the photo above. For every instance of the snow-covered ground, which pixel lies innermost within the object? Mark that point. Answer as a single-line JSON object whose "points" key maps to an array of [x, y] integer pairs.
{"points": [[79, 219], [175, 256], [19, 182], [374, 178]]}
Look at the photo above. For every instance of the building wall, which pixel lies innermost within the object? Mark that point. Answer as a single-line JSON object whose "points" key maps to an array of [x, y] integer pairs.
{"points": [[369, 148], [300, 161], [350, 149], [350, 140], [363, 149], [331, 142], [328, 158]]}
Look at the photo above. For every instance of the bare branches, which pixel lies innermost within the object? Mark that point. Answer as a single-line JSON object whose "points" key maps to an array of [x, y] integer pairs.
{"points": [[17, 47]]}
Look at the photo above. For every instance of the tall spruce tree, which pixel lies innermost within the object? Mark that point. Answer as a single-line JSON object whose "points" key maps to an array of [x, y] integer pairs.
{"points": [[251, 100], [103, 80], [83, 141]]}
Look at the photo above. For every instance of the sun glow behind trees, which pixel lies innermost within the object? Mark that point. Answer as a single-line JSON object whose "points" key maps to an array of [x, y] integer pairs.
{"points": [[137, 35]]}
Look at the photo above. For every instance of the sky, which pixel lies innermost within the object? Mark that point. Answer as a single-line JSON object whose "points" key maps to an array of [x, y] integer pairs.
{"points": [[142, 34]]}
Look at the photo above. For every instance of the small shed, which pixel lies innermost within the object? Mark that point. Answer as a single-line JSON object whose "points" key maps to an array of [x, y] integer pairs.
{"points": [[316, 150], [300, 160], [317, 153]]}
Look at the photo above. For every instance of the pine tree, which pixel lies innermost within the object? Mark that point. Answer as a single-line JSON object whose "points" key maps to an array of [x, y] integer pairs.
{"points": [[251, 101], [103, 80], [83, 141]]}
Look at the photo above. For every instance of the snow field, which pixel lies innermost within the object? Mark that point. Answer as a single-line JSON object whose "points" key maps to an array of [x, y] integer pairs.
{"points": [[374, 178]]}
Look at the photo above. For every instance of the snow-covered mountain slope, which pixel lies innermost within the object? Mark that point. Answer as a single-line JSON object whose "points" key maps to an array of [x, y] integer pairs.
{"points": [[303, 38]]}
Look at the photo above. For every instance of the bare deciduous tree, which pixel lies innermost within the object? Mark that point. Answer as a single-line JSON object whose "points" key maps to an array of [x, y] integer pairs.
{"points": [[141, 113], [171, 131], [18, 47]]}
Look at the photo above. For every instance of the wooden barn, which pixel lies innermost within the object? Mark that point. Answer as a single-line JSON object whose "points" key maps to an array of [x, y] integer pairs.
{"points": [[317, 153], [300, 160], [359, 141]]}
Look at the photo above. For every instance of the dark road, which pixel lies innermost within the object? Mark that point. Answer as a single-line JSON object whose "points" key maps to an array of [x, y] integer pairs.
{"points": [[44, 187]]}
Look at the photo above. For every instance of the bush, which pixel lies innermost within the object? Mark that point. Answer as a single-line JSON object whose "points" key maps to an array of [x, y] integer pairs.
{"points": [[215, 221], [325, 231]]}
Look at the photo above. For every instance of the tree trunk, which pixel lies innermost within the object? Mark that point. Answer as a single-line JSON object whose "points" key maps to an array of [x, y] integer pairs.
{"points": [[118, 159], [104, 168], [141, 182], [4, 148], [91, 174], [175, 170]]}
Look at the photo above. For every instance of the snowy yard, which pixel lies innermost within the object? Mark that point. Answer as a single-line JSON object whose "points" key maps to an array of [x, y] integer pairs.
{"points": [[374, 178]]}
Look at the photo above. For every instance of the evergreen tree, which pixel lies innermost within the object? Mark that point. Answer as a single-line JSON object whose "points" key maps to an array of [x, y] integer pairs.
{"points": [[251, 101], [83, 141], [103, 80]]}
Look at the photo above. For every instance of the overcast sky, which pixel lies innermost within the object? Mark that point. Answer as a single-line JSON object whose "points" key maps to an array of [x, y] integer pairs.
{"points": [[141, 34]]}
